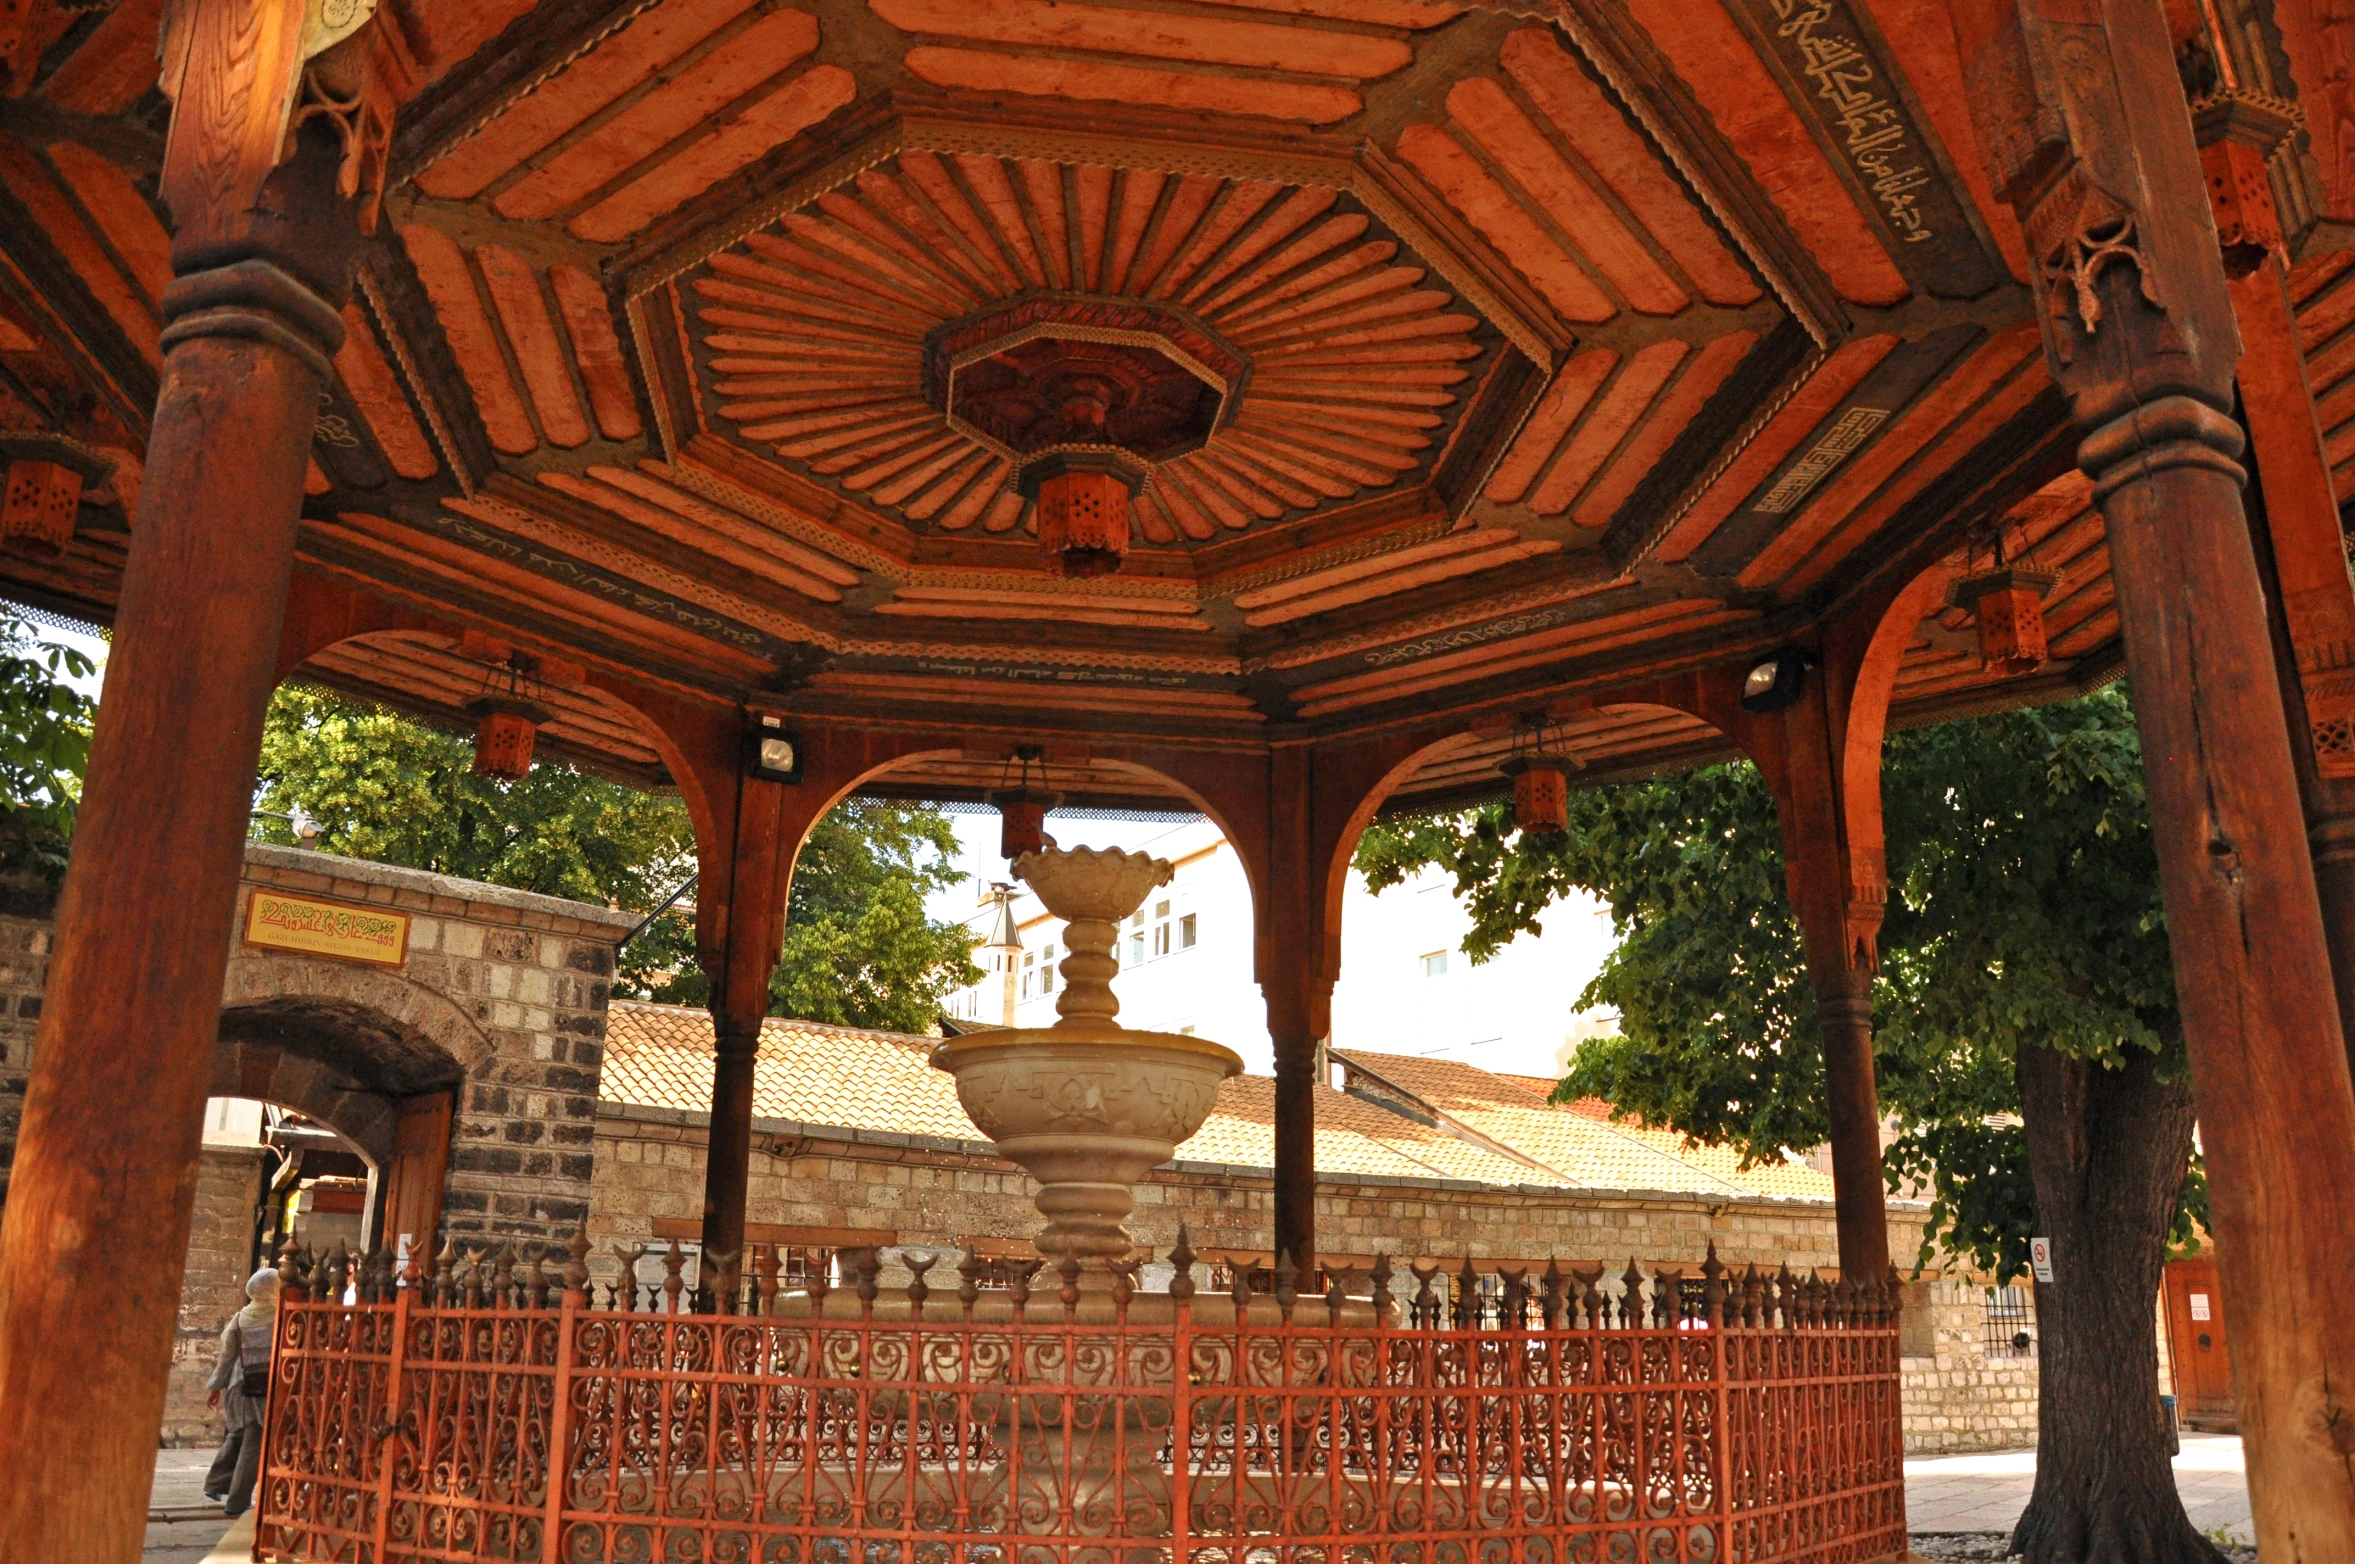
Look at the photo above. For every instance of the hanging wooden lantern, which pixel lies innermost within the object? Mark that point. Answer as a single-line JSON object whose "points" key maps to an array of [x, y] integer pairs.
{"points": [[2008, 604], [1083, 496], [1022, 807], [1541, 792], [1022, 821], [505, 730], [37, 516]]}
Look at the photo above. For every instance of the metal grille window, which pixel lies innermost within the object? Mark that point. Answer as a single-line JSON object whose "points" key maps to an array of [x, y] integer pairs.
{"points": [[2011, 1323]]}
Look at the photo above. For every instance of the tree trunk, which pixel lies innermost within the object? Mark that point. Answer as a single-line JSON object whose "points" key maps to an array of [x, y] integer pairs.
{"points": [[2107, 1150]]}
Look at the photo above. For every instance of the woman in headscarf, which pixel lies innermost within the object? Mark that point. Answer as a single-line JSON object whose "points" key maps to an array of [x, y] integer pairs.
{"points": [[240, 1387]]}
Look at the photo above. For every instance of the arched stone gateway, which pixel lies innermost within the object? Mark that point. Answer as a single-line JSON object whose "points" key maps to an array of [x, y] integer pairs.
{"points": [[465, 1076]]}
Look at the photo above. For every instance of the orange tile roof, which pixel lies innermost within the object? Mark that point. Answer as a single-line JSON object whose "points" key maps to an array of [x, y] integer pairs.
{"points": [[1586, 1152], [1723, 1163], [659, 1056], [1768, 1178]]}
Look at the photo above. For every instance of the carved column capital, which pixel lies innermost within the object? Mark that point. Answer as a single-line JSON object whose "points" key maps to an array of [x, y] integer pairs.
{"points": [[249, 80], [2086, 134]]}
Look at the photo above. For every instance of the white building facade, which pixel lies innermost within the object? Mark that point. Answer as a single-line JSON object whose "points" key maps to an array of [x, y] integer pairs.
{"points": [[1406, 985]]}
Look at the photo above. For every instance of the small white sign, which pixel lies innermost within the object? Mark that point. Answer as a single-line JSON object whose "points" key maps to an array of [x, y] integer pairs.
{"points": [[2040, 1258], [2199, 1306]]}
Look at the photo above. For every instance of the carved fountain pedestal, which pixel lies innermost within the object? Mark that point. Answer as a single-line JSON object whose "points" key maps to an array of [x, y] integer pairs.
{"points": [[1086, 1106]]}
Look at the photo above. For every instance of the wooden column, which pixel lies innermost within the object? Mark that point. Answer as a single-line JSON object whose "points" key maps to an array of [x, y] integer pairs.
{"points": [[1295, 980], [2302, 560], [2082, 117], [1837, 892], [745, 914], [97, 1219], [747, 833]]}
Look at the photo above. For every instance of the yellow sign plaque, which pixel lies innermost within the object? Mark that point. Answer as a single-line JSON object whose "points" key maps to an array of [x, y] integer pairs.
{"points": [[327, 928]]}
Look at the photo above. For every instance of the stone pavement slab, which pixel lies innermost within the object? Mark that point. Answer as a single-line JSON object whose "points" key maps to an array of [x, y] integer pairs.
{"points": [[1986, 1493], [182, 1527]]}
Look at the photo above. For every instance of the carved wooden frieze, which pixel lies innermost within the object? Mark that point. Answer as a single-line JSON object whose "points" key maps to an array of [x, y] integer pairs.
{"points": [[1834, 63]]}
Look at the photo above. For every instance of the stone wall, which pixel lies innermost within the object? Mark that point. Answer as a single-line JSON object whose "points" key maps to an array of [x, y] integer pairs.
{"points": [[1958, 1395], [904, 1189], [24, 972], [220, 1242], [512, 986]]}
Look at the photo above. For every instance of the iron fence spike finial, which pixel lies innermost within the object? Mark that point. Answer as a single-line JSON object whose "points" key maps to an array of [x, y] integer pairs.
{"points": [[917, 1263], [1068, 1269], [1181, 1266], [969, 1281]]}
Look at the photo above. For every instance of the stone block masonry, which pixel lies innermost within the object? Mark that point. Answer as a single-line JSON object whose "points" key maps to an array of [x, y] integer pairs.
{"points": [[24, 972], [501, 998], [212, 1287]]}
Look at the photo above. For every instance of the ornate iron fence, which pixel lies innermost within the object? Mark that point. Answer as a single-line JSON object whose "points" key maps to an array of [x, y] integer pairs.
{"points": [[490, 1412]]}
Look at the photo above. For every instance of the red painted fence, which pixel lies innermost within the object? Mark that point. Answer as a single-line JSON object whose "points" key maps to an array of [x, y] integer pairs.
{"points": [[1477, 1421]]}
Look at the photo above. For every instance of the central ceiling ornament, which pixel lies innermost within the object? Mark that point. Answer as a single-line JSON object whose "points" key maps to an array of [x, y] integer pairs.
{"points": [[1084, 397]]}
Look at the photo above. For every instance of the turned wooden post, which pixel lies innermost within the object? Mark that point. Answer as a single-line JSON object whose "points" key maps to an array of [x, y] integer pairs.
{"points": [[1299, 993], [261, 194], [1838, 891], [745, 913], [2302, 563], [2082, 118]]}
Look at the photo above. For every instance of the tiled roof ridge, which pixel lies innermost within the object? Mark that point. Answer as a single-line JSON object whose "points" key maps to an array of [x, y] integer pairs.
{"points": [[1356, 1058], [1451, 1124]]}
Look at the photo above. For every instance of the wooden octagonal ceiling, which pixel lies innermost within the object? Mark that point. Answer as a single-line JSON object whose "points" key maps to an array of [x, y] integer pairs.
{"points": [[1514, 357], [810, 338]]}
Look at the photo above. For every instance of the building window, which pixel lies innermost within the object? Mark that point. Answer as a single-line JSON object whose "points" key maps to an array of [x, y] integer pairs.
{"points": [[1028, 957], [1046, 970], [2010, 1323], [1435, 964], [1186, 932]]}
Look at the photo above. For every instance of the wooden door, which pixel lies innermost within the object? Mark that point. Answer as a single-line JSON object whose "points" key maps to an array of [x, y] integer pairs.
{"points": [[413, 1184], [2196, 1344]]}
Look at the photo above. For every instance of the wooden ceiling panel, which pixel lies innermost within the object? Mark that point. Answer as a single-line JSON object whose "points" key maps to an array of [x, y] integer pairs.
{"points": [[427, 675], [1226, 56], [1574, 108], [368, 380], [1385, 575], [812, 334], [85, 246], [1717, 62], [659, 37]]}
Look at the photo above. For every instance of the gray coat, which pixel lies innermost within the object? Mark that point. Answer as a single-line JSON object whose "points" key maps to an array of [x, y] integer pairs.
{"points": [[239, 1341]]}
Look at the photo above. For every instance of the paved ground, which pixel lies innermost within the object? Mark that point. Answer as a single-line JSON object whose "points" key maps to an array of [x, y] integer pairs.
{"points": [[194, 1526], [1986, 1493]]}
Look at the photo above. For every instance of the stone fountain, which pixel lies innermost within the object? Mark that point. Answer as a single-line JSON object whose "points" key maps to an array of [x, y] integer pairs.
{"points": [[1086, 1106]]}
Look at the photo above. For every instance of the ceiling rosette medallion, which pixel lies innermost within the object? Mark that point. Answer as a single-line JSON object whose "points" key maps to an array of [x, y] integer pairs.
{"points": [[1083, 398]]}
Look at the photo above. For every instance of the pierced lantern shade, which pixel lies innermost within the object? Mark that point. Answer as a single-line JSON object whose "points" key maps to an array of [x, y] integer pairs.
{"points": [[1083, 496], [37, 515], [1022, 820], [1541, 792], [2009, 607], [504, 732]]}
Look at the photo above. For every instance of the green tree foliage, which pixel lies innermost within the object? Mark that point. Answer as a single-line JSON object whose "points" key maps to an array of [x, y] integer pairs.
{"points": [[44, 729], [385, 788], [2028, 1044], [2023, 912], [859, 950]]}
